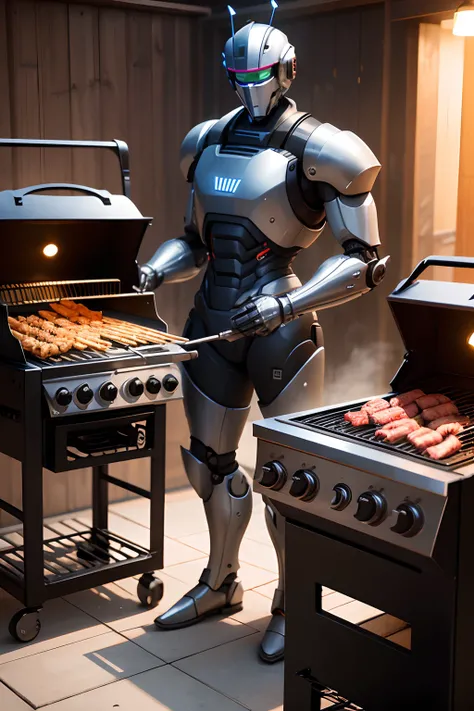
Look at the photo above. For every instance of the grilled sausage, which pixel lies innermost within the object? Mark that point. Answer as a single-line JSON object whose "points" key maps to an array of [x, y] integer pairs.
{"points": [[447, 448], [376, 405], [431, 401], [450, 428], [397, 433], [357, 419], [434, 413], [424, 438], [464, 421], [406, 398]]}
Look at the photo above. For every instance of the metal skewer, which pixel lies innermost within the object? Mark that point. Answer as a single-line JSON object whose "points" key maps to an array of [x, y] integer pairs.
{"points": [[223, 336]]}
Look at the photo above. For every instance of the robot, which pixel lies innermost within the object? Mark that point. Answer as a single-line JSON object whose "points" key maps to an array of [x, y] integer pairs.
{"points": [[264, 181]]}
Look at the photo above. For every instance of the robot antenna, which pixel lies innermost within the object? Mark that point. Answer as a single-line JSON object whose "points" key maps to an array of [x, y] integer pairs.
{"points": [[274, 5], [232, 13]]}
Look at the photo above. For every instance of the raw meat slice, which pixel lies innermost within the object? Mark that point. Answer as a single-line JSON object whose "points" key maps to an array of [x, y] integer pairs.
{"points": [[447, 448], [424, 438], [434, 413], [406, 398], [431, 401]]}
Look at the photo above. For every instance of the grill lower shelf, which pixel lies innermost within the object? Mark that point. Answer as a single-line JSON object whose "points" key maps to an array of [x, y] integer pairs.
{"points": [[68, 553], [332, 421]]}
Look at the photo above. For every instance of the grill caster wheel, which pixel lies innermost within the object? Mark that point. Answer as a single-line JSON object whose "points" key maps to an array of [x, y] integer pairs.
{"points": [[25, 625], [149, 590]]}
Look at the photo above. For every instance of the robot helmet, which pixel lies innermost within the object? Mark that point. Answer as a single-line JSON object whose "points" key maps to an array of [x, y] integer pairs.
{"points": [[260, 65]]}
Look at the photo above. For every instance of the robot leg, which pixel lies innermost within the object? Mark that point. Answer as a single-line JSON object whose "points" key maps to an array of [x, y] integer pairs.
{"points": [[214, 474], [301, 379]]}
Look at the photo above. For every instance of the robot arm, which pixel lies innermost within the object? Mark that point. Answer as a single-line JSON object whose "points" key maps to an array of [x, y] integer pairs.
{"points": [[352, 215], [176, 260], [180, 259]]}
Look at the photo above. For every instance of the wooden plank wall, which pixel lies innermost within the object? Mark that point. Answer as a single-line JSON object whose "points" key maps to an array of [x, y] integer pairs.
{"points": [[85, 72], [340, 80]]}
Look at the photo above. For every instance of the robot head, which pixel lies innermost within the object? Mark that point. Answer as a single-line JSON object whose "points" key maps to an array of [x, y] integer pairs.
{"points": [[260, 64]]}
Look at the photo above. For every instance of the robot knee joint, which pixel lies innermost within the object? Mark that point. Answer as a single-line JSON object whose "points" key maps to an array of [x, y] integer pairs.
{"points": [[220, 465]]}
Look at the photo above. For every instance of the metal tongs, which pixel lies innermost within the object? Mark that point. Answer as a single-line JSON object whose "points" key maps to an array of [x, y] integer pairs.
{"points": [[223, 336]]}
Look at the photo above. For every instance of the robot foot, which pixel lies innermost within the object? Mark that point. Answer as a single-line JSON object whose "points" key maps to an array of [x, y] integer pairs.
{"points": [[272, 647], [201, 602]]}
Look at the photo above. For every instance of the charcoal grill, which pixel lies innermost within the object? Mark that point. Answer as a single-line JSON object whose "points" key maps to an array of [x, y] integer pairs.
{"points": [[384, 525], [45, 423]]}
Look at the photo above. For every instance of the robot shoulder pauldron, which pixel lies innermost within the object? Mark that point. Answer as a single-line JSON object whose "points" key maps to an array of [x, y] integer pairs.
{"points": [[341, 159], [193, 144]]}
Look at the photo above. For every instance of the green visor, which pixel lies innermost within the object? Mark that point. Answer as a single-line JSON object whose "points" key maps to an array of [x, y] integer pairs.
{"points": [[256, 77]]}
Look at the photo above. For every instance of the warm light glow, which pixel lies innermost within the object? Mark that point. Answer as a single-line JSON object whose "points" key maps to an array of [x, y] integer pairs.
{"points": [[50, 250], [471, 340], [464, 20]]}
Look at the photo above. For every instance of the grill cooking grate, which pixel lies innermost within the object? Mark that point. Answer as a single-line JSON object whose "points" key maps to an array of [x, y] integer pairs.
{"points": [[90, 355], [333, 421], [42, 291]]}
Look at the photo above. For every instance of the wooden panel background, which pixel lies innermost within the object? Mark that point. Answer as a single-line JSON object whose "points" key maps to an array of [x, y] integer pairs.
{"points": [[85, 72]]}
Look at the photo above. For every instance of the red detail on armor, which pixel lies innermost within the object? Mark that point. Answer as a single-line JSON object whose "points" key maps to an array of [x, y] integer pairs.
{"points": [[261, 255]]}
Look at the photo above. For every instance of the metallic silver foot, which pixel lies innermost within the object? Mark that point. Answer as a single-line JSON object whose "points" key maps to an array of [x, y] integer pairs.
{"points": [[272, 647], [201, 602]]}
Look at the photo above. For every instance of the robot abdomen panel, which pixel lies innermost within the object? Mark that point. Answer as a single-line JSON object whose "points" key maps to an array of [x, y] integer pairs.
{"points": [[252, 186]]}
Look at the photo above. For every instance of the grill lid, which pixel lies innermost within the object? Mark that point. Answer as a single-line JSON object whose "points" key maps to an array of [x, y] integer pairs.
{"points": [[436, 321], [89, 235]]}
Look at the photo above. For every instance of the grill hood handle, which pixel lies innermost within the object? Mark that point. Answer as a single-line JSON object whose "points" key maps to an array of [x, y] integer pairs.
{"points": [[102, 195], [435, 261]]}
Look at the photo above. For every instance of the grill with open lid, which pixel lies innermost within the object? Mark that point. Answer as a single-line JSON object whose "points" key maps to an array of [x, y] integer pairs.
{"points": [[84, 407], [436, 322]]}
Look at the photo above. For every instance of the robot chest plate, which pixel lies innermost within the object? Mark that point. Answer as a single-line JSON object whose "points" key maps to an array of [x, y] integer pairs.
{"points": [[252, 186]]}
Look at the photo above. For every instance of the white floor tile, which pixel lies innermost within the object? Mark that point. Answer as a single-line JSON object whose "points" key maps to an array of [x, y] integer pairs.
{"points": [[10, 701], [76, 668], [165, 689], [251, 551]]}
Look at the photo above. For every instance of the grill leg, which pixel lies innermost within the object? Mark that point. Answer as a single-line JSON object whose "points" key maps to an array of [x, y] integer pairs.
{"points": [[157, 485], [32, 495], [100, 497]]}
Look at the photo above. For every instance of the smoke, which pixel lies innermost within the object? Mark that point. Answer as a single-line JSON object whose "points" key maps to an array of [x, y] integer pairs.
{"points": [[364, 374]]}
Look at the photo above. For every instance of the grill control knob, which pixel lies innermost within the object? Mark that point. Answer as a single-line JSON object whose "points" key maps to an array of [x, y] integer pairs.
{"points": [[84, 394], [63, 397], [272, 475], [371, 509], [410, 520], [135, 387], [153, 385], [170, 383], [305, 485], [342, 497], [108, 392]]}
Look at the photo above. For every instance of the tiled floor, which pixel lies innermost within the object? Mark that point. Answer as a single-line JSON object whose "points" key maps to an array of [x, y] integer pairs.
{"points": [[99, 650]]}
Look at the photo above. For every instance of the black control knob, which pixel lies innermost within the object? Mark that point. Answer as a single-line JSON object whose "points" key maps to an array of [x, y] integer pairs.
{"points": [[170, 383], [305, 485], [135, 387], [410, 520], [84, 394], [272, 475], [342, 497], [371, 509], [63, 397], [153, 385], [108, 392]]}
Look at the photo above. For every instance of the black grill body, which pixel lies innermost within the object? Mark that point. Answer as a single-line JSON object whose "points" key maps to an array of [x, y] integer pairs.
{"points": [[415, 651], [97, 236]]}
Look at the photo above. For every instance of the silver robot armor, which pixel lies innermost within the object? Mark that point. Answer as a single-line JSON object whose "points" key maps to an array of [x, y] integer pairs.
{"points": [[264, 181]]}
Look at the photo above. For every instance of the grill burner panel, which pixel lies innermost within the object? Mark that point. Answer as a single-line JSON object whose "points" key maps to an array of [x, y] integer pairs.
{"points": [[332, 421]]}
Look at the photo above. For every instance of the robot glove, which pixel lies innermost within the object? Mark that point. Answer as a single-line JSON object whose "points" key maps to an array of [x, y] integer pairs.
{"points": [[148, 279], [259, 316]]}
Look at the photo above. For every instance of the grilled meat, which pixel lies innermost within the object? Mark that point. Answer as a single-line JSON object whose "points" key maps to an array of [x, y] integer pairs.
{"points": [[376, 405], [394, 413], [424, 438], [434, 413], [406, 398], [450, 428], [447, 448], [460, 419], [431, 401], [357, 419], [398, 433]]}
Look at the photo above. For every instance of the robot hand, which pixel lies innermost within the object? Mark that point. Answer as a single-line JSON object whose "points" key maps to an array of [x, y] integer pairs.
{"points": [[259, 317], [148, 279]]}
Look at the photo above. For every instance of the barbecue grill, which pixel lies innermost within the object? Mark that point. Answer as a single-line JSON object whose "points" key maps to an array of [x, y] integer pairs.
{"points": [[383, 525], [85, 407]]}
